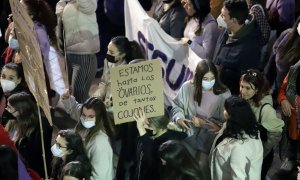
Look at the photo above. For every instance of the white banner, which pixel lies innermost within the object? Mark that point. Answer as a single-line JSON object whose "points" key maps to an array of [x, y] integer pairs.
{"points": [[178, 61]]}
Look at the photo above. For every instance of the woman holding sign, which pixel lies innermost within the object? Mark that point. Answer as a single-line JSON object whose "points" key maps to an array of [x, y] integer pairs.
{"points": [[97, 133], [198, 108], [120, 51]]}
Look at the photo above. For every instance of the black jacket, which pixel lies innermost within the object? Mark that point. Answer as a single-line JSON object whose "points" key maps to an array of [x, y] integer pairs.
{"points": [[148, 160]]}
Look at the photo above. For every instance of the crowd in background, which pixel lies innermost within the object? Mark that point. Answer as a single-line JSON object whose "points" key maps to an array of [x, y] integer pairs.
{"points": [[224, 123]]}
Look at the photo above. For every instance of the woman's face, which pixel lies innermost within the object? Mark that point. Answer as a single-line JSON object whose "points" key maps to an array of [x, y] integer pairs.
{"points": [[188, 6], [11, 75], [88, 114], [208, 81], [209, 76], [113, 51], [247, 90]]}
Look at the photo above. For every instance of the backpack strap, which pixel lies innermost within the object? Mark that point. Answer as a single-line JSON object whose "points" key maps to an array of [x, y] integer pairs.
{"points": [[259, 116]]}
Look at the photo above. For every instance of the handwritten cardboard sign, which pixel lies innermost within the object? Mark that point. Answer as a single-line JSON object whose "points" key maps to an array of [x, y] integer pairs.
{"points": [[31, 55], [137, 86]]}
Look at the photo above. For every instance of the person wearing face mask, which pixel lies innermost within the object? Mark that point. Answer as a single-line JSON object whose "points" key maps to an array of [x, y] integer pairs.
{"points": [[153, 132], [255, 90], [198, 108], [11, 53], [96, 131], [68, 147], [170, 15], [238, 47], [12, 81], [26, 133], [120, 51]]}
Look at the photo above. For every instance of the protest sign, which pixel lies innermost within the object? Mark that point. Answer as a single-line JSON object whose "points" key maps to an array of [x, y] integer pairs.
{"points": [[31, 56], [137, 86], [177, 59]]}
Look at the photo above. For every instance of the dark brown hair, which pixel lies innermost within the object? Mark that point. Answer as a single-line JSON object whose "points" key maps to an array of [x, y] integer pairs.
{"points": [[202, 68], [102, 121], [256, 78], [27, 120], [42, 13], [131, 49], [202, 8]]}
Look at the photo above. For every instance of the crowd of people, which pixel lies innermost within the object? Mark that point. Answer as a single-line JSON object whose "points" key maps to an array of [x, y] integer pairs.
{"points": [[224, 123]]}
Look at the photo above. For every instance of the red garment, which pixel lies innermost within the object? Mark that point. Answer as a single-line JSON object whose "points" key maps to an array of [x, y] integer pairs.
{"points": [[7, 55], [293, 132], [34, 175], [5, 139]]}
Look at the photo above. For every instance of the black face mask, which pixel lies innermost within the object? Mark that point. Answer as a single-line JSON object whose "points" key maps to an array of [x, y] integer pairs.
{"points": [[110, 58], [150, 132], [167, 1]]}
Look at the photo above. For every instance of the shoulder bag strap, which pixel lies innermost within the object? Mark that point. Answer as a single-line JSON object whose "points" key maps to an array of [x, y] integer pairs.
{"points": [[259, 116]]}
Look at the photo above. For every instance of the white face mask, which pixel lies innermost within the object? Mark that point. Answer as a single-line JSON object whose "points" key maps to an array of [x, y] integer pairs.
{"points": [[298, 29], [207, 85], [13, 43], [56, 151], [88, 124], [221, 22], [7, 85]]}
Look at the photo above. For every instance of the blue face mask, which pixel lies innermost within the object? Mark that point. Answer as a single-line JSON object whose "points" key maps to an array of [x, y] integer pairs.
{"points": [[13, 43], [88, 124], [207, 85]]}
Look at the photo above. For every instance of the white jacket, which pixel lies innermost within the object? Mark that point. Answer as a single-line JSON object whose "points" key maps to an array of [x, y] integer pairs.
{"points": [[80, 26], [236, 159]]}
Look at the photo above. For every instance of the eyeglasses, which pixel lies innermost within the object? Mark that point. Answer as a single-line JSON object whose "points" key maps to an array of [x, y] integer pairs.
{"points": [[59, 146], [10, 109]]}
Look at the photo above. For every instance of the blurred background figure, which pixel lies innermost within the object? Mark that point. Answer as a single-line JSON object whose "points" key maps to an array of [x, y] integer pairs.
{"points": [[8, 163]]}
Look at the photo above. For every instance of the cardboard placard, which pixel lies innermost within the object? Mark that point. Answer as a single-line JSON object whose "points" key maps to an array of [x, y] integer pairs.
{"points": [[31, 56], [137, 86]]}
